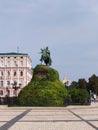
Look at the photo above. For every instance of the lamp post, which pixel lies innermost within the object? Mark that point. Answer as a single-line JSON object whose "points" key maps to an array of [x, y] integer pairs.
{"points": [[16, 87], [7, 95]]}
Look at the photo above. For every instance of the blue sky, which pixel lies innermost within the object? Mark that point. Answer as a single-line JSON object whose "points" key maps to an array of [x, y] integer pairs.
{"points": [[68, 27]]}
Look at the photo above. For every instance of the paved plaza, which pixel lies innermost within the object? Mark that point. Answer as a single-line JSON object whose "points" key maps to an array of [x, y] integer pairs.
{"points": [[49, 118]]}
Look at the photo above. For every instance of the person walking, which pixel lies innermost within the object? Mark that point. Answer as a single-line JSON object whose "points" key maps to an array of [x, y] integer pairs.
{"points": [[94, 96]]}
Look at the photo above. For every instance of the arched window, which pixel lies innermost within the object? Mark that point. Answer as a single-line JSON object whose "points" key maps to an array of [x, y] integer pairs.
{"points": [[1, 73], [1, 92], [21, 63], [1, 83], [8, 73], [21, 82], [8, 63], [8, 83], [15, 63], [1, 64], [15, 73], [21, 73]]}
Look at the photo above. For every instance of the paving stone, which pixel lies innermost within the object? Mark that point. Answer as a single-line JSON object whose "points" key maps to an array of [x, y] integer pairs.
{"points": [[49, 118]]}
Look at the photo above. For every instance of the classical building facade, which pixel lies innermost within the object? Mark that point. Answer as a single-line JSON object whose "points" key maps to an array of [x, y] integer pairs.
{"points": [[15, 73]]}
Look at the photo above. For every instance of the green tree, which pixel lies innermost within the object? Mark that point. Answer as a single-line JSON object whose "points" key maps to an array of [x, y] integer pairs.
{"points": [[45, 56], [93, 83], [82, 83], [74, 84], [78, 96]]}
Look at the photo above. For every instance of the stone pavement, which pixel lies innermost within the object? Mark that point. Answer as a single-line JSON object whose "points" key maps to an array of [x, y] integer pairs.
{"points": [[49, 118]]}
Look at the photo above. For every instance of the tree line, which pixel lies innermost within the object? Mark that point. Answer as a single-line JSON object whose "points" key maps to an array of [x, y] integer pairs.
{"points": [[90, 85]]}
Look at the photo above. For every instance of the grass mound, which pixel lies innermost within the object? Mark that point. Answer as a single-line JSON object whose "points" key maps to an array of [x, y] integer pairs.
{"points": [[45, 89]]}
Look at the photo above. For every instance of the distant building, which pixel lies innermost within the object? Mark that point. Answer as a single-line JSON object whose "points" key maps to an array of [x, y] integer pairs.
{"points": [[15, 71], [66, 81]]}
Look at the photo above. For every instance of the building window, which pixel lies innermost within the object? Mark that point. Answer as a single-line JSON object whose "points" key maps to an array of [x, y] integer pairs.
{"points": [[1, 63], [8, 73], [21, 63], [1, 83], [21, 82], [21, 73], [1, 73], [15, 73], [1, 92], [7, 92], [15, 63], [14, 92], [8, 63], [8, 83], [14, 83]]}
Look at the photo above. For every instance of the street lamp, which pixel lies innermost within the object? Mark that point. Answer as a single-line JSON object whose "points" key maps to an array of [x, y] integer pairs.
{"points": [[15, 87], [7, 92], [7, 96]]}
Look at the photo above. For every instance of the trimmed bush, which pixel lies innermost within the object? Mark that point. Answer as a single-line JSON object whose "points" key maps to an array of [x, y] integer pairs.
{"points": [[78, 96], [45, 89]]}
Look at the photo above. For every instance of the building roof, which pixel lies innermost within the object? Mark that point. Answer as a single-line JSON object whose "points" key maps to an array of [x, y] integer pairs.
{"points": [[13, 53]]}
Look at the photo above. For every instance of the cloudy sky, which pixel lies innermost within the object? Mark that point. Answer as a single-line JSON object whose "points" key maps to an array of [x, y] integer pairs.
{"points": [[68, 27]]}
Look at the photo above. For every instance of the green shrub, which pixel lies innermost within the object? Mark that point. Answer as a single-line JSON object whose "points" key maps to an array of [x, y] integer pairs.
{"points": [[45, 89], [78, 96], [42, 72]]}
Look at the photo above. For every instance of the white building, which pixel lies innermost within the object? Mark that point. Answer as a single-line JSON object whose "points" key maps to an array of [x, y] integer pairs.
{"points": [[15, 71], [66, 81]]}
